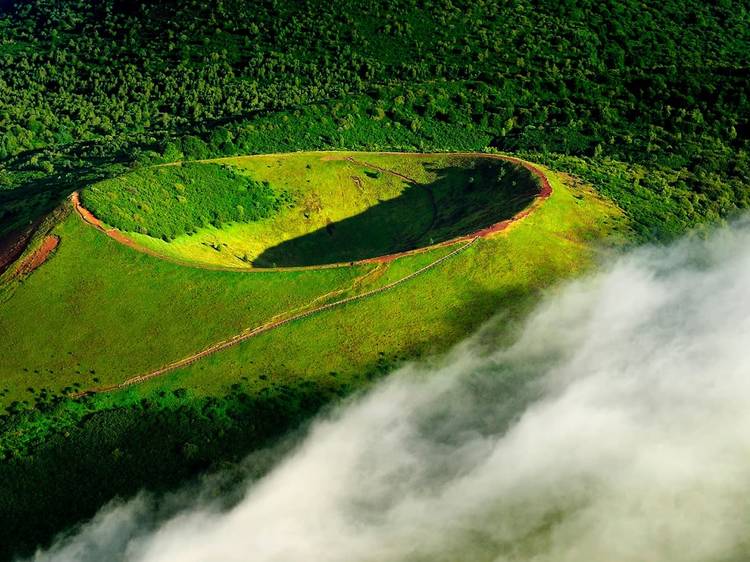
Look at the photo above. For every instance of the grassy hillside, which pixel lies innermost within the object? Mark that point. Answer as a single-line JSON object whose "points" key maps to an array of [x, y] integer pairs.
{"points": [[112, 312]]}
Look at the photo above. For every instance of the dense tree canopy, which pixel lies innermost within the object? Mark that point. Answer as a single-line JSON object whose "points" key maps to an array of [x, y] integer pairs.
{"points": [[662, 85]]}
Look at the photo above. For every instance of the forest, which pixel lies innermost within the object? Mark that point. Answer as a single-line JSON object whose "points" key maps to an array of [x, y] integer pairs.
{"points": [[190, 196], [654, 99]]}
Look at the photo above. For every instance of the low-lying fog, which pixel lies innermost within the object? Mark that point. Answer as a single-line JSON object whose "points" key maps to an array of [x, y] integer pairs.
{"points": [[615, 429]]}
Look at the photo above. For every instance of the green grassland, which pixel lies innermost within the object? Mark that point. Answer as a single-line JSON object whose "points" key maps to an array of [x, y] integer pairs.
{"points": [[111, 312], [98, 312], [340, 206]]}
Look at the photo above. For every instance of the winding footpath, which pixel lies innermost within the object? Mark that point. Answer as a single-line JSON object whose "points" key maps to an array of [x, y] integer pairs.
{"points": [[465, 241], [247, 334]]}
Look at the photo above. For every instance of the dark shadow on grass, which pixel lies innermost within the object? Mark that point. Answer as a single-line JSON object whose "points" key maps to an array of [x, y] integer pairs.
{"points": [[28, 191], [469, 195]]}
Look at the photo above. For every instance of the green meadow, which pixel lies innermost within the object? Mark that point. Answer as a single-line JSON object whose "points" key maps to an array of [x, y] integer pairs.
{"points": [[111, 312]]}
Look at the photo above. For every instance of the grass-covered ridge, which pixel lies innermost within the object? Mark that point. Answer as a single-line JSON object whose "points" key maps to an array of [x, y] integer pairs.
{"points": [[111, 312], [340, 206], [169, 201]]}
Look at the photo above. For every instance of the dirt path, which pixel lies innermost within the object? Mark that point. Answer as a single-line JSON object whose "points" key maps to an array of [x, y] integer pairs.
{"points": [[89, 218], [544, 193], [376, 270], [250, 333], [40, 255]]}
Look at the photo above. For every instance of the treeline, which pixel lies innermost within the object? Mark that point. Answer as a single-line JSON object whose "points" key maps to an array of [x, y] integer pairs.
{"points": [[167, 201], [617, 68]]}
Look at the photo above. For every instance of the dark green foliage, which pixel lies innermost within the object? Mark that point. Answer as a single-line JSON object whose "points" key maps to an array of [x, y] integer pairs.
{"points": [[608, 73], [166, 201], [148, 444], [84, 83], [662, 203]]}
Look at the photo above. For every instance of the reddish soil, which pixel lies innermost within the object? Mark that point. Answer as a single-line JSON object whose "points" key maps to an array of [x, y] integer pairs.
{"points": [[13, 245], [85, 213], [40, 255]]}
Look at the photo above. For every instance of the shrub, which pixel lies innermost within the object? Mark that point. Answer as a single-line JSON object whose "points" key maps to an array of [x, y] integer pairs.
{"points": [[181, 199]]}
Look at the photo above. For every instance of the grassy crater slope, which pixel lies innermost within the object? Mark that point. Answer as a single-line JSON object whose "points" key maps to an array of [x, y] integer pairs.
{"points": [[310, 208], [97, 312]]}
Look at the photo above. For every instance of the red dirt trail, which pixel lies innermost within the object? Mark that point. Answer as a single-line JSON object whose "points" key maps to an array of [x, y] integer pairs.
{"points": [[40, 255], [113, 233]]}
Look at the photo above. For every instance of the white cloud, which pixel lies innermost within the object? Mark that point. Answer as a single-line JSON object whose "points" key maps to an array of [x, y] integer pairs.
{"points": [[616, 428]]}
